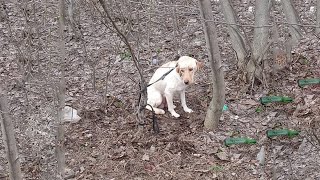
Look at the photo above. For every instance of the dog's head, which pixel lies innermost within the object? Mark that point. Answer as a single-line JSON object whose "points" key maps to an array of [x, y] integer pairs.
{"points": [[186, 68]]}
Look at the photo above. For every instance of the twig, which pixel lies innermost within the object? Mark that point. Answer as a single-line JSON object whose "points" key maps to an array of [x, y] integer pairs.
{"points": [[167, 5], [122, 37], [166, 162], [269, 25], [176, 30], [92, 63], [217, 22], [143, 100]]}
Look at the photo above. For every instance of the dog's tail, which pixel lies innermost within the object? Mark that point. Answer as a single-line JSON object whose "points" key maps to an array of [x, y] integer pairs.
{"points": [[156, 110]]}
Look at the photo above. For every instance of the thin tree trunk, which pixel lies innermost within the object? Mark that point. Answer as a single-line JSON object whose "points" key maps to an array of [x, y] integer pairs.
{"points": [[62, 13], [318, 17], [237, 40], [73, 24], [260, 39], [60, 149], [218, 92], [295, 31], [9, 140], [293, 19]]}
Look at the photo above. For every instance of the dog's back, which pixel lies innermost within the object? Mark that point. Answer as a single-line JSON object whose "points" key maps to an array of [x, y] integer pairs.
{"points": [[162, 70], [160, 85]]}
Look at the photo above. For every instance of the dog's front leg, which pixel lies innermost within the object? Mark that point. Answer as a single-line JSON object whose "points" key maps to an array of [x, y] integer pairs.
{"points": [[169, 98], [184, 103]]}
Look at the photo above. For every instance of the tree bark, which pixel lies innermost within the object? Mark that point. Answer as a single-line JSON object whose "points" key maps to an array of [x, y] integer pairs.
{"points": [[62, 13], [71, 15], [218, 92], [60, 149], [293, 19], [261, 31], [237, 40], [318, 17], [260, 39], [9, 140], [295, 31]]}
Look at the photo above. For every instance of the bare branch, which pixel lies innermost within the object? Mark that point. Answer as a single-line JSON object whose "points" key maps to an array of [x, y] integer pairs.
{"points": [[143, 90], [318, 17], [9, 140]]}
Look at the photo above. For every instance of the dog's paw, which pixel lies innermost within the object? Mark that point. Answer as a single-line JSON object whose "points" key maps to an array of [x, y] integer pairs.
{"points": [[174, 114], [188, 110], [161, 111], [158, 111]]}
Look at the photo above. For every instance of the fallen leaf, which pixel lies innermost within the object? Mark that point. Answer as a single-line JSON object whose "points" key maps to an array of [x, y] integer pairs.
{"points": [[145, 157], [222, 156]]}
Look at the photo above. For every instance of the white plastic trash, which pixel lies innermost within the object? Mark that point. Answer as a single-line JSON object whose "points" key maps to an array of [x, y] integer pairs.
{"points": [[70, 115]]}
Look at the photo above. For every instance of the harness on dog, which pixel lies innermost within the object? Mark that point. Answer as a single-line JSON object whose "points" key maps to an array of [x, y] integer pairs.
{"points": [[163, 76]]}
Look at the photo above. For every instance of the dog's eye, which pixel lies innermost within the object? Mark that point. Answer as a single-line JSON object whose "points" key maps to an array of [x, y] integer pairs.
{"points": [[182, 70], [190, 69]]}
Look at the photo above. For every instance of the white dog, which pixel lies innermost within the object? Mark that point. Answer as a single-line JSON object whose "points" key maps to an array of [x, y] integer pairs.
{"points": [[176, 81]]}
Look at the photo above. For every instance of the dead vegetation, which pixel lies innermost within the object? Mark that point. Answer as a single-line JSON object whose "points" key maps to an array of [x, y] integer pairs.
{"points": [[102, 83]]}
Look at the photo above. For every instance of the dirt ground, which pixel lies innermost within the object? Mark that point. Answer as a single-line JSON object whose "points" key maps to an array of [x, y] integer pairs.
{"points": [[105, 143]]}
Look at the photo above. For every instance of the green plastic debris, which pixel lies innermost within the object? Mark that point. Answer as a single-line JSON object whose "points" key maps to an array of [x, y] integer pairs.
{"points": [[305, 82], [270, 99], [282, 132], [225, 108], [231, 141], [258, 109]]}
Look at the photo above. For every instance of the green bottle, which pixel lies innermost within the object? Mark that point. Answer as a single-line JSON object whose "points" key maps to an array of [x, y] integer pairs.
{"points": [[269, 99], [230, 141], [304, 82], [282, 132]]}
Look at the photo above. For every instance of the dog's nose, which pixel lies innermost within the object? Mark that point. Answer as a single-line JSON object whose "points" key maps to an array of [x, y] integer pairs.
{"points": [[186, 81]]}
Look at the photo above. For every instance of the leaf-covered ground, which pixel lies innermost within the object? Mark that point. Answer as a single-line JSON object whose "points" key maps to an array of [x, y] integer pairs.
{"points": [[104, 144]]}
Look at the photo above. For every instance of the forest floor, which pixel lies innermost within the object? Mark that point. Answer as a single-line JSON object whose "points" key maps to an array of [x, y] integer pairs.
{"points": [[105, 144]]}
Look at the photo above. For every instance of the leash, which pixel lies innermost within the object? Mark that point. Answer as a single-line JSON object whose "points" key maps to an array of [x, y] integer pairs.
{"points": [[163, 76], [155, 125]]}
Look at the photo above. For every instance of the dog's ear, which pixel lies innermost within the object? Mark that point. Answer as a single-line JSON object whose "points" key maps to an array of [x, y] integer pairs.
{"points": [[200, 65], [177, 68]]}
